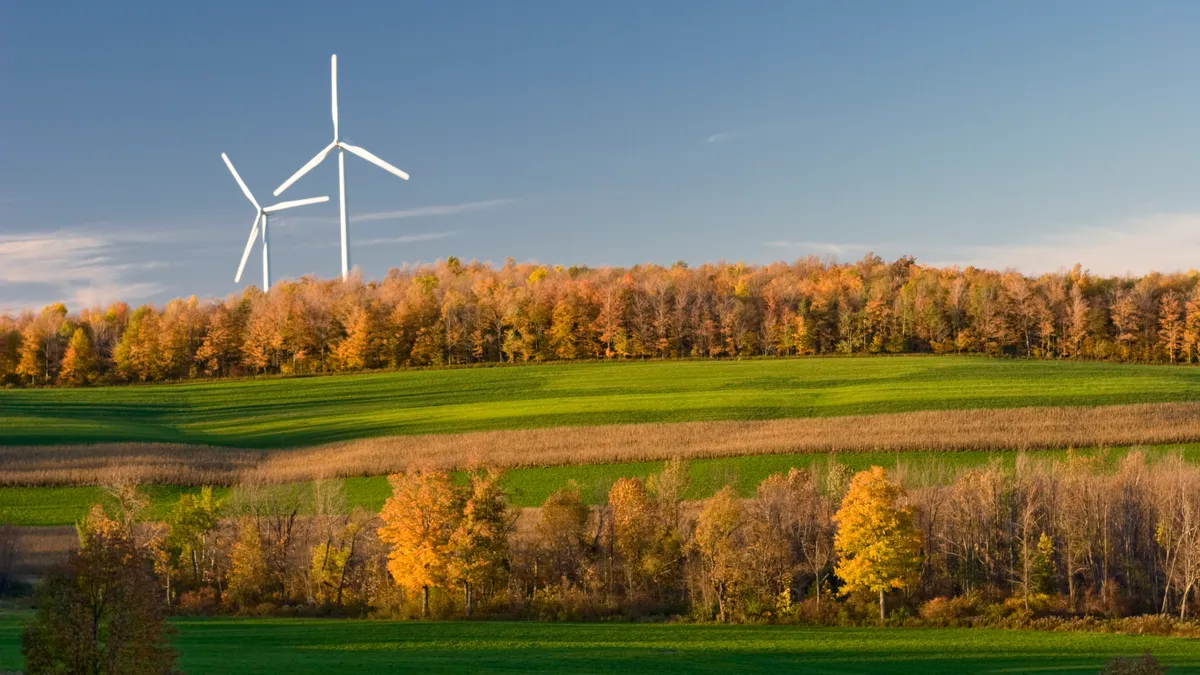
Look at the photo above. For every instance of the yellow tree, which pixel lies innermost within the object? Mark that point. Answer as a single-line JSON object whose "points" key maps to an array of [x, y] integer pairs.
{"points": [[878, 546], [722, 552], [79, 363], [356, 350], [561, 536], [419, 519], [248, 573], [1191, 326], [32, 356], [478, 546], [1171, 325]]}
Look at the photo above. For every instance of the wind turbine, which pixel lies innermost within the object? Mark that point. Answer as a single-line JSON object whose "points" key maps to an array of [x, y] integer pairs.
{"points": [[342, 148], [263, 214]]}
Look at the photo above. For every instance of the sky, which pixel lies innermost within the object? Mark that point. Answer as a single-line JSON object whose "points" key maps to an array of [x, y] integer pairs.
{"points": [[1030, 135]]}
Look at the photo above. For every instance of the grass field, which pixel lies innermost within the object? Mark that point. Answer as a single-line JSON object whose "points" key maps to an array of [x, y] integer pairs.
{"points": [[47, 506], [301, 646], [282, 413]]}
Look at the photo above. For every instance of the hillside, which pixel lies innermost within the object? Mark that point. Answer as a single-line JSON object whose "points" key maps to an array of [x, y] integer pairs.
{"points": [[294, 412]]}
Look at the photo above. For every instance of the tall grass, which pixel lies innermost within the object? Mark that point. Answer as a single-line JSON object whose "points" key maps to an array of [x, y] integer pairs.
{"points": [[1011, 429]]}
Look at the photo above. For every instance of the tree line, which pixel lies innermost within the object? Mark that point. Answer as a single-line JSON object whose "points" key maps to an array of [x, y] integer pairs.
{"points": [[460, 313], [996, 545]]}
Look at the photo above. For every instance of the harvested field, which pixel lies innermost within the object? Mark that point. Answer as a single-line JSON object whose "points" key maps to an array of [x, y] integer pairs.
{"points": [[948, 430]]}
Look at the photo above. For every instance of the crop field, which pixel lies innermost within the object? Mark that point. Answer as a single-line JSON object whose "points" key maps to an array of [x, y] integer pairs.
{"points": [[529, 487], [739, 421], [297, 412], [301, 646]]}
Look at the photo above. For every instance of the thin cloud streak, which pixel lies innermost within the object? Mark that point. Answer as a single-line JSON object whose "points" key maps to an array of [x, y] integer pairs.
{"points": [[722, 137], [818, 247], [420, 212], [80, 267], [383, 241]]}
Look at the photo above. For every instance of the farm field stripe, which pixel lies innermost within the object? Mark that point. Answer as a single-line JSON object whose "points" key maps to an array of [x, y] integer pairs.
{"points": [[280, 413], [1012, 429]]}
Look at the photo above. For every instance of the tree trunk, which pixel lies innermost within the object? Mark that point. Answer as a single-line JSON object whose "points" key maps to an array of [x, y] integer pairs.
{"points": [[882, 611], [424, 602], [467, 597]]}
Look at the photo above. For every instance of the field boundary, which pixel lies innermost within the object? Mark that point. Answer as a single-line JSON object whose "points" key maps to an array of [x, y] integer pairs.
{"points": [[1006, 429]]}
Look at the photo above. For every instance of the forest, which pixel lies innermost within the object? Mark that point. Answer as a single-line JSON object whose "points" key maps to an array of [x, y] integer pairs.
{"points": [[453, 312]]}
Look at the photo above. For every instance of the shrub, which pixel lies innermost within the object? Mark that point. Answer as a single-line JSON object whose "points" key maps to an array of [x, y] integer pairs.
{"points": [[1146, 665], [101, 612]]}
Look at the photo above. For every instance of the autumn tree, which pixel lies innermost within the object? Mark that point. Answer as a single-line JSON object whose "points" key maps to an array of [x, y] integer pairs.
{"points": [[79, 363], [645, 527], [99, 612], [477, 548], [139, 354], [357, 350], [32, 362], [419, 519], [877, 544], [249, 577], [191, 520], [1171, 326], [562, 536], [719, 543]]}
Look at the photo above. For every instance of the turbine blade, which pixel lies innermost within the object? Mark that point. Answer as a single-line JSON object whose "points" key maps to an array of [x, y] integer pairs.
{"points": [[293, 204], [362, 152], [245, 190], [249, 246], [304, 169], [333, 72]]}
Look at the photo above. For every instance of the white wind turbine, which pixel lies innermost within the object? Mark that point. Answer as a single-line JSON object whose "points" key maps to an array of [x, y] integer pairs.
{"points": [[263, 213], [341, 146]]}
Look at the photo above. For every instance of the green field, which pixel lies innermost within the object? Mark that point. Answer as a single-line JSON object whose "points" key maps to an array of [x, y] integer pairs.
{"points": [[44, 506], [281, 413], [300, 646]]}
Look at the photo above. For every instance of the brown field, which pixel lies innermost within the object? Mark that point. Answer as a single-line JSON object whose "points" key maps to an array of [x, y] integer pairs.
{"points": [[1010, 429]]}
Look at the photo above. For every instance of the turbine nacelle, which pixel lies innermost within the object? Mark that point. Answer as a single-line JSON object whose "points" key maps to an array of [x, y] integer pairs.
{"points": [[261, 216], [342, 148]]}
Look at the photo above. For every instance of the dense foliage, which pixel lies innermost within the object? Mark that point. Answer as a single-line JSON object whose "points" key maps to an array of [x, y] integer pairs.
{"points": [[100, 612], [1038, 541], [453, 313]]}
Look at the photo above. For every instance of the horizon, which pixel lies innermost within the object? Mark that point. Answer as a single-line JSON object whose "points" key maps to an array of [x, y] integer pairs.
{"points": [[1026, 137], [828, 261]]}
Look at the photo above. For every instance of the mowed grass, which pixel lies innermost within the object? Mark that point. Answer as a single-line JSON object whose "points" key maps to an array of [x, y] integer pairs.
{"points": [[301, 646], [49, 506], [292, 412]]}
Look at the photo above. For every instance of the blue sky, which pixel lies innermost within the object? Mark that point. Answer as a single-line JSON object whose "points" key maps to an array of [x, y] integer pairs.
{"points": [[1025, 134]]}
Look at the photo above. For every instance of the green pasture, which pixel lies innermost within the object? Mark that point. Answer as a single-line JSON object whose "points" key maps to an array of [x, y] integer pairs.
{"points": [[43, 506], [290, 412], [321, 646]]}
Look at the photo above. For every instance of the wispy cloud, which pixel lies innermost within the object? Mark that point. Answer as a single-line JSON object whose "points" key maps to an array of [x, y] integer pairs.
{"points": [[1167, 242], [79, 267], [384, 241], [406, 238], [723, 137], [438, 210], [419, 212], [819, 247]]}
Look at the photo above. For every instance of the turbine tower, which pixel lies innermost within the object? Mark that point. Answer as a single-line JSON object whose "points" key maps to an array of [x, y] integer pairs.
{"points": [[263, 213], [342, 148]]}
